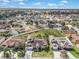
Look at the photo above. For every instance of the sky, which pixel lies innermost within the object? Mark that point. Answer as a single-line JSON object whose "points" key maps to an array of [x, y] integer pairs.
{"points": [[74, 4]]}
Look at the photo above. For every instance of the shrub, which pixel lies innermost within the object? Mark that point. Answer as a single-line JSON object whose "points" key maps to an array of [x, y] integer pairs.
{"points": [[20, 53]]}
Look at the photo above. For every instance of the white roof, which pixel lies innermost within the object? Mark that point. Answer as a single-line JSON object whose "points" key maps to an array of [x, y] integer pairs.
{"points": [[75, 28]]}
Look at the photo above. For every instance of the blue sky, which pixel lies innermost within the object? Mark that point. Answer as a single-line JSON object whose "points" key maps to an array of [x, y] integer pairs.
{"points": [[39, 3]]}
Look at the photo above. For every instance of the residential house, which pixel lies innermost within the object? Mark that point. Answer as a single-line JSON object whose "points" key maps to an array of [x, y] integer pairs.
{"points": [[58, 43], [11, 42], [37, 44], [2, 39]]}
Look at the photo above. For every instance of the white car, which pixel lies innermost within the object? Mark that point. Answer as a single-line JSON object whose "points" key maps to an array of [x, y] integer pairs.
{"points": [[55, 46]]}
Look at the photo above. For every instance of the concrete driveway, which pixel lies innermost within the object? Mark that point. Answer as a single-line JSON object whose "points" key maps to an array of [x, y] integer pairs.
{"points": [[56, 55], [1, 53], [28, 55]]}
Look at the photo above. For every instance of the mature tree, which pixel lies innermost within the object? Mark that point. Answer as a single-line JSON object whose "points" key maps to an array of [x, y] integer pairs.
{"points": [[21, 53]]}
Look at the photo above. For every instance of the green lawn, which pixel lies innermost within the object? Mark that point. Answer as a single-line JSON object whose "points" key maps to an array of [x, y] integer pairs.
{"points": [[23, 36], [48, 54], [52, 32], [44, 33], [75, 52]]}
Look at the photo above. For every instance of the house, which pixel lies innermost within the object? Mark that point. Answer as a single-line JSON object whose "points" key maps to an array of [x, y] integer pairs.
{"points": [[58, 43], [68, 46], [64, 43], [37, 44], [2, 39], [76, 29], [75, 39], [77, 45], [69, 32], [11, 42], [53, 43], [4, 24], [50, 24], [58, 25], [69, 26], [13, 32]]}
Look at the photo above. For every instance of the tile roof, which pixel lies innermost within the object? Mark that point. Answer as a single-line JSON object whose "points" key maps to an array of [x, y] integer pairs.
{"points": [[40, 42]]}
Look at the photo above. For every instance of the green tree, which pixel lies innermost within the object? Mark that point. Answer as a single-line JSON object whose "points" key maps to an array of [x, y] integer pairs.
{"points": [[20, 53], [7, 53]]}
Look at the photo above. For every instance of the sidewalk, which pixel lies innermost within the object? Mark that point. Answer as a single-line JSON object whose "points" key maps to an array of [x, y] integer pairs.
{"points": [[42, 58]]}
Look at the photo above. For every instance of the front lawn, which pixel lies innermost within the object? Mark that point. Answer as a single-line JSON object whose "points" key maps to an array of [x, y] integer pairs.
{"points": [[48, 54], [75, 52]]}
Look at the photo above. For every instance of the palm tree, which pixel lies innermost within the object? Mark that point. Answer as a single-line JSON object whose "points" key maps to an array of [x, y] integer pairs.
{"points": [[7, 53]]}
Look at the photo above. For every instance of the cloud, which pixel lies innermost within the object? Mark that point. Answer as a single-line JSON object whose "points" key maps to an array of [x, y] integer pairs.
{"points": [[4, 1], [50, 4], [21, 3], [15, 0], [64, 1], [61, 4], [38, 3]]}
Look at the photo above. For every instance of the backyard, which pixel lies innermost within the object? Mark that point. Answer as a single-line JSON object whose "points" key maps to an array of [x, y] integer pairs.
{"points": [[44, 33]]}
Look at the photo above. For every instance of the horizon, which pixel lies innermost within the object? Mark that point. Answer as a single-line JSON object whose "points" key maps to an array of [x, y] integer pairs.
{"points": [[44, 8]]}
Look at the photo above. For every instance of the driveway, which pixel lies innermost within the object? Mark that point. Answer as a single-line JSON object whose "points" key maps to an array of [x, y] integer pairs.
{"points": [[28, 55], [56, 55], [1, 53]]}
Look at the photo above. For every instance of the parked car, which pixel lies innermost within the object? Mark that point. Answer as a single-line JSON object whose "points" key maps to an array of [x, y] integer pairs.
{"points": [[55, 46]]}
